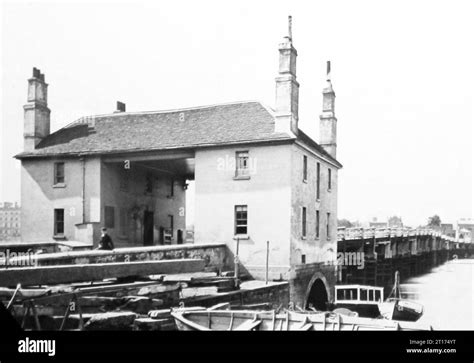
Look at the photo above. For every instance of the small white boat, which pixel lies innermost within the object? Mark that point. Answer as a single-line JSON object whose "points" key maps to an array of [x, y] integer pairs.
{"points": [[362, 299], [244, 320]]}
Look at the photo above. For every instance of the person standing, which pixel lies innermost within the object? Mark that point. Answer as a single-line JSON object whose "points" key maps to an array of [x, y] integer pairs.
{"points": [[105, 242]]}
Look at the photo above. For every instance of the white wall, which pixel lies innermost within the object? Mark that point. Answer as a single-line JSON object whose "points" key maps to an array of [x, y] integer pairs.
{"points": [[304, 195], [267, 194], [39, 197]]}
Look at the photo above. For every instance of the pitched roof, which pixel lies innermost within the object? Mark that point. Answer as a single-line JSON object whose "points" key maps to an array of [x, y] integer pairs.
{"points": [[122, 132], [129, 131]]}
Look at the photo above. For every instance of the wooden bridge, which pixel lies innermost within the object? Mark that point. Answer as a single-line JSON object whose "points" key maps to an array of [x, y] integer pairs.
{"points": [[385, 250]]}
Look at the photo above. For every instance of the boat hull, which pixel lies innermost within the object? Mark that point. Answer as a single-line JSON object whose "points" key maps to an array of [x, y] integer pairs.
{"points": [[401, 310], [218, 320]]}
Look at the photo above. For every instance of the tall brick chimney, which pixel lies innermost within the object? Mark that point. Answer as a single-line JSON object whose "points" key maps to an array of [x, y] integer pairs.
{"points": [[287, 88], [328, 121], [37, 113]]}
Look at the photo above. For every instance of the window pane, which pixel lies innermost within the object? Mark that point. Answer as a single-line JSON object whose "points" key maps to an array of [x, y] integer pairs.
{"points": [[318, 179], [241, 219], [303, 222], [317, 224], [327, 225], [242, 163], [59, 221], [305, 167], [58, 173]]}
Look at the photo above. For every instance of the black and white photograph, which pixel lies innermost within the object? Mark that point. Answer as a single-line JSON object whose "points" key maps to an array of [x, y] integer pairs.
{"points": [[170, 167]]}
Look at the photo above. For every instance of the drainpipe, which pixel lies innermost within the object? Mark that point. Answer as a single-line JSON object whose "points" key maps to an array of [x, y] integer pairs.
{"points": [[236, 264], [83, 192]]}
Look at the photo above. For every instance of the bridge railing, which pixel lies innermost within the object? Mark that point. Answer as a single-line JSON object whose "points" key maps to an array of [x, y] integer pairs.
{"points": [[344, 233]]}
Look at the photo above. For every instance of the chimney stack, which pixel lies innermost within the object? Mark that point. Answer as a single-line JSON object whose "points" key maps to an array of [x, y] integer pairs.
{"points": [[36, 111], [120, 107], [328, 121], [287, 88]]}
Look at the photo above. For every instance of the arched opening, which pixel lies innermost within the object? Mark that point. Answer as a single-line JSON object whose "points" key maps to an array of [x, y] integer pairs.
{"points": [[318, 296]]}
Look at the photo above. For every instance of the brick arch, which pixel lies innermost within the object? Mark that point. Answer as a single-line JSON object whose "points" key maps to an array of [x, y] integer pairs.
{"points": [[317, 285]]}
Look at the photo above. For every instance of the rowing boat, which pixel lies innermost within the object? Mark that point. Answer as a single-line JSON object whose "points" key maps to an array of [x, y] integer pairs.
{"points": [[245, 320]]}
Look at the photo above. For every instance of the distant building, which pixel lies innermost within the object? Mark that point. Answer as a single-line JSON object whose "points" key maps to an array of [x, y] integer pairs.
{"points": [[465, 229], [395, 222], [10, 221], [447, 229], [377, 224]]}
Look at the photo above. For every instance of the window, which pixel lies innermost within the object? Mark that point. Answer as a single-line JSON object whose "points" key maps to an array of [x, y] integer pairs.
{"points": [[327, 225], [109, 217], [317, 224], [58, 222], [318, 180], [241, 219], [305, 168], [303, 259], [59, 177], [303, 222], [329, 179], [242, 163]]}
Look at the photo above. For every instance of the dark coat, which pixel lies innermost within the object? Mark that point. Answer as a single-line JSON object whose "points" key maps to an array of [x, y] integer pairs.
{"points": [[106, 243]]}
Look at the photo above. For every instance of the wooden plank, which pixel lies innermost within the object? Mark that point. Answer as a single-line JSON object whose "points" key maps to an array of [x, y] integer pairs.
{"points": [[142, 288], [48, 275], [248, 325]]}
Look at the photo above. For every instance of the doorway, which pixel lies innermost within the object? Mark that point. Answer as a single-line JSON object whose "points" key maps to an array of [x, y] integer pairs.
{"points": [[318, 297], [148, 228]]}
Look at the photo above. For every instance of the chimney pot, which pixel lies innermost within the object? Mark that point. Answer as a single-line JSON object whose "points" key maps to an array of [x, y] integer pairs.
{"points": [[120, 107]]}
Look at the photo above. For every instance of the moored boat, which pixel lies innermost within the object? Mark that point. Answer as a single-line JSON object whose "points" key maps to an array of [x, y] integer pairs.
{"points": [[368, 301], [362, 299], [398, 308], [244, 320], [401, 309]]}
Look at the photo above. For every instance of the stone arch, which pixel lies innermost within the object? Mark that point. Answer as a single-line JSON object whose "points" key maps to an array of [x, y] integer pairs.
{"points": [[317, 292]]}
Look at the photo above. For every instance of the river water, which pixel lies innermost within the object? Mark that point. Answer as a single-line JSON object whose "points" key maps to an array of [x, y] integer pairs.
{"points": [[447, 294]]}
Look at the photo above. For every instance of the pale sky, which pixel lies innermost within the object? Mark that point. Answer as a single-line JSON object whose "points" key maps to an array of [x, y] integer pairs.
{"points": [[402, 72]]}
